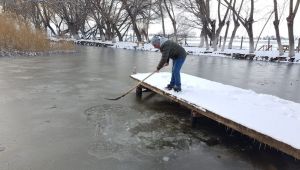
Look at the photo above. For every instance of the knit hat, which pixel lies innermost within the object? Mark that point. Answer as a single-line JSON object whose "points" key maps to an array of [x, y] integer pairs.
{"points": [[158, 40], [155, 40]]}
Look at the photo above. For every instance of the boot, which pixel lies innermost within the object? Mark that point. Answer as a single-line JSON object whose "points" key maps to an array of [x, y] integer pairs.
{"points": [[177, 89], [169, 87]]}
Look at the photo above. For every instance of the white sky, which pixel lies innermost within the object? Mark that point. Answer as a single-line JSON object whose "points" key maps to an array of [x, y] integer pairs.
{"points": [[262, 12]]}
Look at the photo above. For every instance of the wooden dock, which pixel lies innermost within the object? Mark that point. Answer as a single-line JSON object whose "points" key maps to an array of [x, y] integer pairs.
{"points": [[198, 109]]}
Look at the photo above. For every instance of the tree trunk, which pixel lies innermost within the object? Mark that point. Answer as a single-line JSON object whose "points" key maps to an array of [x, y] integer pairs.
{"points": [[220, 25], [170, 11], [73, 30], [137, 32], [214, 37], [162, 18], [109, 32], [236, 26], [202, 39], [118, 33], [206, 42], [290, 24], [133, 20], [276, 27], [225, 37], [251, 39], [175, 30], [214, 42], [236, 23]]}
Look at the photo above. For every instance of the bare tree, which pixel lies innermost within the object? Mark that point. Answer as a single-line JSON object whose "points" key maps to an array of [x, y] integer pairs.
{"points": [[210, 27], [74, 13], [136, 9], [110, 12], [247, 22], [226, 33], [236, 23], [206, 21], [276, 27], [201, 11], [24, 9], [153, 12], [161, 10], [198, 19], [107, 14], [290, 24], [170, 10], [221, 22], [45, 14], [97, 17]]}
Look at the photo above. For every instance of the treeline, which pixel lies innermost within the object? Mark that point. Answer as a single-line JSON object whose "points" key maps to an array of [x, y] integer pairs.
{"points": [[114, 18]]}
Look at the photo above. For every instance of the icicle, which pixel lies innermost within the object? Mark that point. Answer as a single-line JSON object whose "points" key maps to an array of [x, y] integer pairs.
{"points": [[231, 132]]}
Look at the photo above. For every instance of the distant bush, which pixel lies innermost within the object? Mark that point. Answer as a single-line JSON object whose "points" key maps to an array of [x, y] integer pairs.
{"points": [[17, 34]]}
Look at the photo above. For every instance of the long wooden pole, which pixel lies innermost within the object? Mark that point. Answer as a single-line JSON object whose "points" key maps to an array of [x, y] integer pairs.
{"points": [[117, 98]]}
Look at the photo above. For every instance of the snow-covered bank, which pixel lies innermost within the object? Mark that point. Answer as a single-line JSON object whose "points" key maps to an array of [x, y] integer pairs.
{"points": [[259, 55], [266, 114]]}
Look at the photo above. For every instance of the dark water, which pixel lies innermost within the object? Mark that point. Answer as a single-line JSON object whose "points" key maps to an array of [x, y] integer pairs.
{"points": [[279, 79], [53, 114]]}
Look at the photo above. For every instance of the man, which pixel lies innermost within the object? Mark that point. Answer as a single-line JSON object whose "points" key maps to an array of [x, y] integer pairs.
{"points": [[170, 49]]}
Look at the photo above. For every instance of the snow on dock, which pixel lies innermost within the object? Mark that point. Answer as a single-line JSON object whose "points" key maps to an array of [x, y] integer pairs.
{"points": [[268, 119]]}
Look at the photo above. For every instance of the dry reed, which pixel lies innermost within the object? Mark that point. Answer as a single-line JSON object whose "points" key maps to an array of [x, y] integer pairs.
{"points": [[17, 34]]}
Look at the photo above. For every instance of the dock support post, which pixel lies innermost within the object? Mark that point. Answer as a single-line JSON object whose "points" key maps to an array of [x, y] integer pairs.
{"points": [[241, 46], [194, 117], [139, 91]]}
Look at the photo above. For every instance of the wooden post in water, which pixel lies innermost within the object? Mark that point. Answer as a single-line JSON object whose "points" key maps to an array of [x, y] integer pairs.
{"points": [[133, 38], [139, 91], [298, 45], [241, 47], [268, 49]]}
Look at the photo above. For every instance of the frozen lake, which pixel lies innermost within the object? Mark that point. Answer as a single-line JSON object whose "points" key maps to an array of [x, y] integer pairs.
{"points": [[53, 114]]}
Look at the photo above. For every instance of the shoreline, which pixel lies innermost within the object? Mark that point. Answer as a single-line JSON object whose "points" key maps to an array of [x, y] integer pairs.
{"points": [[240, 54], [15, 53]]}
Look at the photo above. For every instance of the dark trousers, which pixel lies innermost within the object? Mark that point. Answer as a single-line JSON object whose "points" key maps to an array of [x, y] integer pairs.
{"points": [[177, 64]]}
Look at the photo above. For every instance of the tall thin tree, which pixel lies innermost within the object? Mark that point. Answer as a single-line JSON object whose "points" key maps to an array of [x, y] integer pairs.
{"points": [[276, 27], [290, 25]]}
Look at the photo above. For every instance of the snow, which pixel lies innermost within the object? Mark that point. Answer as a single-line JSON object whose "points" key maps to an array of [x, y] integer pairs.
{"points": [[269, 115], [166, 159], [203, 52], [260, 55]]}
